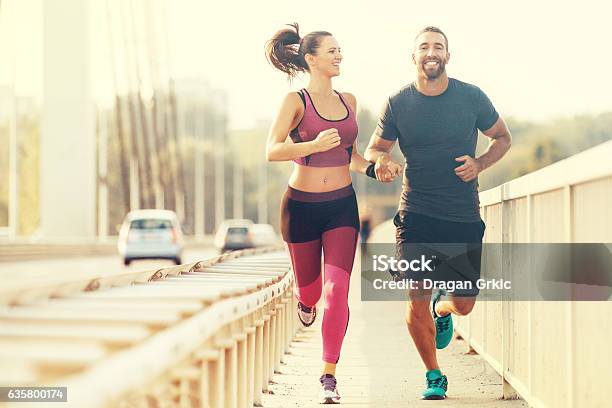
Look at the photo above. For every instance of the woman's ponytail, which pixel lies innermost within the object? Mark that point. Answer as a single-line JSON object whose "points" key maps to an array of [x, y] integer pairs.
{"points": [[283, 51]]}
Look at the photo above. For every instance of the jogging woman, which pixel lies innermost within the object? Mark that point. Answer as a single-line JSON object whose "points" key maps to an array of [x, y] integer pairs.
{"points": [[316, 127]]}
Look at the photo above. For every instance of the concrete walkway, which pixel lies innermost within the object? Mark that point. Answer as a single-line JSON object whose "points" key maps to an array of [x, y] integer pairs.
{"points": [[379, 365]]}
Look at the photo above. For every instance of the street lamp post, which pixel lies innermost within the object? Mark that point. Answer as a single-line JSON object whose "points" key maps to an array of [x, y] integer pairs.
{"points": [[13, 166], [218, 133], [197, 133]]}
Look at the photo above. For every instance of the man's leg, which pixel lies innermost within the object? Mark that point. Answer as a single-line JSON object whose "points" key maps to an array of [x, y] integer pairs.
{"points": [[421, 326], [457, 305], [442, 314], [411, 231], [464, 267]]}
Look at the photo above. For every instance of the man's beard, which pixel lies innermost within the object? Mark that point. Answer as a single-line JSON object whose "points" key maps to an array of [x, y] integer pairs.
{"points": [[432, 75]]}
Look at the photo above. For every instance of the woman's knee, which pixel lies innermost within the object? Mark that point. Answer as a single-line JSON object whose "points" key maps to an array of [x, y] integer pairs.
{"points": [[336, 292], [309, 295]]}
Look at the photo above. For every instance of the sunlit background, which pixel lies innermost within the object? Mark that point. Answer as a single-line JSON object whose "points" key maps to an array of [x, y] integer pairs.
{"points": [[182, 96]]}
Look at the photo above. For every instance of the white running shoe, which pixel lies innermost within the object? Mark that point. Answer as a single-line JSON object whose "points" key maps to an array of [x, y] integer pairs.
{"points": [[329, 390], [307, 315]]}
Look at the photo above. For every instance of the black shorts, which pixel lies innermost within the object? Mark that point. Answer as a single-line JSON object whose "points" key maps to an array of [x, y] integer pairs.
{"points": [[305, 216], [454, 247]]}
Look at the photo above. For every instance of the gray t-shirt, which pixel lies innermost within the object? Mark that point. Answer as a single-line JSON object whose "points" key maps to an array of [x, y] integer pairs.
{"points": [[432, 132]]}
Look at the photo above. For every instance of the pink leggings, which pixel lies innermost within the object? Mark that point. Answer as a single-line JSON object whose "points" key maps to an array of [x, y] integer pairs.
{"points": [[329, 221]]}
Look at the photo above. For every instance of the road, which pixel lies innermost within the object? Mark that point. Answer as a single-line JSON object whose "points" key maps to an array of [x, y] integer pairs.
{"points": [[42, 271]]}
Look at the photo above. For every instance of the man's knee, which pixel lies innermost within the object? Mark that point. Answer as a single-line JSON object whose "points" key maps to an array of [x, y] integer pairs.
{"points": [[464, 306]]}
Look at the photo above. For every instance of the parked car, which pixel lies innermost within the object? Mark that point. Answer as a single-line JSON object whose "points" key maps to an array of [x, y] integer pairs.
{"points": [[234, 234], [151, 234], [263, 235]]}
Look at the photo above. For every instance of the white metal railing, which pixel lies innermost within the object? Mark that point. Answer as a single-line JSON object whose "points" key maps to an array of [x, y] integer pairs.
{"points": [[205, 334], [26, 248], [553, 354]]}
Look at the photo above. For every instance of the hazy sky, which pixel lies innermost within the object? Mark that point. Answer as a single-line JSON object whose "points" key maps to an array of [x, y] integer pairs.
{"points": [[535, 59]]}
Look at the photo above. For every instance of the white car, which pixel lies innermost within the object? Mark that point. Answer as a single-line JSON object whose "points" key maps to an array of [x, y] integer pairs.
{"points": [[234, 234], [151, 234], [263, 235]]}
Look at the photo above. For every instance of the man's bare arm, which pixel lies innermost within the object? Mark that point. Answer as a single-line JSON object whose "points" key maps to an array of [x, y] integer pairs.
{"points": [[378, 147], [498, 146], [378, 151], [500, 143]]}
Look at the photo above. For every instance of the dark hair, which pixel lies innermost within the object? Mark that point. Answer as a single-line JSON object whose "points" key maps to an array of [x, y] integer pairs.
{"points": [[432, 29], [286, 50]]}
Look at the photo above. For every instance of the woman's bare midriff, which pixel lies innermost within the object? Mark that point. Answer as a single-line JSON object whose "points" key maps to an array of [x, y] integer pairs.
{"points": [[319, 179]]}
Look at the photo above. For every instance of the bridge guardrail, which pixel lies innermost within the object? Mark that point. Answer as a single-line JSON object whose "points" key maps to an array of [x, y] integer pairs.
{"points": [[11, 251], [548, 352], [210, 333]]}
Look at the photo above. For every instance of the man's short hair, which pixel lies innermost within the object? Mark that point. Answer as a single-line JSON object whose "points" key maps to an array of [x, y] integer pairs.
{"points": [[432, 29]]}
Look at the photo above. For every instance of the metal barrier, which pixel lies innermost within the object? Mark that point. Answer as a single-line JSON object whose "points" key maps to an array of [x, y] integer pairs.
{"points": [[209, 334], [18, 252], [21, 250], [554, 354]]}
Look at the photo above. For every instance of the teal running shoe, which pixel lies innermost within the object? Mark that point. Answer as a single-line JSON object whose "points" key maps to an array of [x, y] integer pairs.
{"points": [[436, 384], [444, 324]]}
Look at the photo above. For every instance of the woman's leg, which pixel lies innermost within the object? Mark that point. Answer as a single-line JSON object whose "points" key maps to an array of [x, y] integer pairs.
{"points": [[309, 222], [339, 246], [302, 234], [306, 261]]}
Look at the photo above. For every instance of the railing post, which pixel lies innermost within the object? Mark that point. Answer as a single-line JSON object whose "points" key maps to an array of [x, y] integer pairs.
{"points": [[184, 385], [217, 375], [241, 337], [569, 329], [273, 344], [280, 337], [226, 375], [206, 359], [289, 321], [267, 318], [250, 363], [231, 373], [159, 393], [259, 353], [531, 294], [292, 308], [296, 324], [508, 392]]}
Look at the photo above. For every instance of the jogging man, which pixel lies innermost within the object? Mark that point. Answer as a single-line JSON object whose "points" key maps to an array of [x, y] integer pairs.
{"points": [[436, 121]]}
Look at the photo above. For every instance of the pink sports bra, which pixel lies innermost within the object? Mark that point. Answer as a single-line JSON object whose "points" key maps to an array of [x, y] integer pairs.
{"points": [[312, 124]]}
